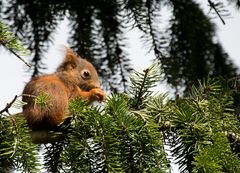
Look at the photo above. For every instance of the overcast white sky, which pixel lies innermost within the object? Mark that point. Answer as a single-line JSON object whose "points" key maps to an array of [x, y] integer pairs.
{"points": [[13, 73]]}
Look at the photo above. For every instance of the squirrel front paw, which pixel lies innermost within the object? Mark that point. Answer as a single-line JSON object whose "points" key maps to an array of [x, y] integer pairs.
{"points": [[97, 94]]}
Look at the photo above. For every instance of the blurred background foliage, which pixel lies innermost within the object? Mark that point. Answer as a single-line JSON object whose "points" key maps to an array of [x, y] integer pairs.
{"points": [[186, 48]]}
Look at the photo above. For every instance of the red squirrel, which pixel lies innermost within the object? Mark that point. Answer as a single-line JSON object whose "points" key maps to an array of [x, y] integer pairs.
{"points": [[75, 77]]}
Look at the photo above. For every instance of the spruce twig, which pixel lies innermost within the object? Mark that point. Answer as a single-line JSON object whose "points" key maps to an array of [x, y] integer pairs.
{"points": [[140, 93], [14, 53], [11, 43], [9, 105], [167, 126], [212, 6]]}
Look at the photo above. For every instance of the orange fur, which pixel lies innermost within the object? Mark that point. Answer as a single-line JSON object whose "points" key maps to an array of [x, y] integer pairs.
{"points": [[70, 81]]}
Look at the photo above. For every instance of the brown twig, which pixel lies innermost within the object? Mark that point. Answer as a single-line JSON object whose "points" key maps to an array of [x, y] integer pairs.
{"points": [[9, 105], [14, 53], [212, 5]]}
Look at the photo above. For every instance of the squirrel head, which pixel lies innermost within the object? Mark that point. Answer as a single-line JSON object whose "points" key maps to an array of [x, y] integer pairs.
{"points": [[80, 70]]}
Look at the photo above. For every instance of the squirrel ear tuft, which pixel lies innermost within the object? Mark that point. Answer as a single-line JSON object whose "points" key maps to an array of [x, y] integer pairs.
{"points": [[70, 61]]}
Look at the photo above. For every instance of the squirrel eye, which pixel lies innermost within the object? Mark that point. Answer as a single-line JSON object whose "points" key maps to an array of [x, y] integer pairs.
{"points": [[85, 74]]}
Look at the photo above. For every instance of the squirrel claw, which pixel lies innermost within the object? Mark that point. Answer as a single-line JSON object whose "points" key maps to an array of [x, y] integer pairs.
{"points": [[97, 94]]}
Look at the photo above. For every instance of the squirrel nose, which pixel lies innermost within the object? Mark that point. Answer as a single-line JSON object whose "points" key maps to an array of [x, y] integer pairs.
{"points": [[95, 84]]}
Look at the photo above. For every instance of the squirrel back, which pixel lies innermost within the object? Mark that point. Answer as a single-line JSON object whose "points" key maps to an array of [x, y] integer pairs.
{"points": [[75, 77]]}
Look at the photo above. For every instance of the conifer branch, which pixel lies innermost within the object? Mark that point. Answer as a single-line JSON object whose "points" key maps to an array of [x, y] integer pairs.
{"points": [[16, 138], [140, 93], [14, 53], [152, 31], [167, 126], [10, 42], [213, 6], [9, 105]]}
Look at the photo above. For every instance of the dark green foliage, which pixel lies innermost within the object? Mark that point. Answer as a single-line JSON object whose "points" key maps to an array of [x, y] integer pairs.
{"points": [[52, 157], [223, 66], [142, 84], [143, 149], [123, 137], [33, 23], [216, 157], [11, 43], [192, 53], [129, 132], [199, 126], [8, 40], [16, 149], [117, 138], [190, 28]]}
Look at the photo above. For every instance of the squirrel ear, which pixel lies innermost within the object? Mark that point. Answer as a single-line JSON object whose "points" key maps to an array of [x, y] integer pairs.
{"points": [[70, 61]]}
